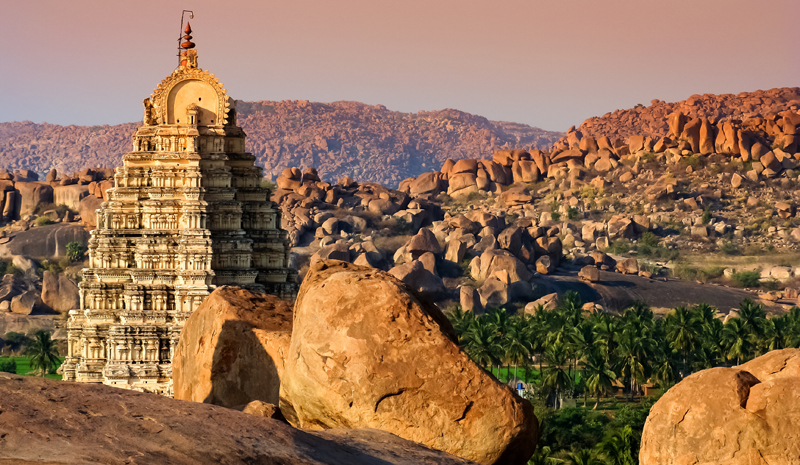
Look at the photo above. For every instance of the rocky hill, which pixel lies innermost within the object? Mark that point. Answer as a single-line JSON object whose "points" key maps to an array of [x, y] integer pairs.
{"points": [[341, 138], [652, 121]]}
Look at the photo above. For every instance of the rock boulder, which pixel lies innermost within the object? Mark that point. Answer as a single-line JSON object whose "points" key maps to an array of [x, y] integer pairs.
{"points": [[103, 424], [731, 416], [232, 348], [367, 352]]}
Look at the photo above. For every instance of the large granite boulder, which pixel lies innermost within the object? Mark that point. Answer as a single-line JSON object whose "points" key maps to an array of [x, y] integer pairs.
{"points": [[25, 303], [89, 206], [416, 276], [70, 195], [367, 352], [93, 423], [30, 195], [493, 260], [48, 241], [59, 293], [729, 416], [231, 350]]}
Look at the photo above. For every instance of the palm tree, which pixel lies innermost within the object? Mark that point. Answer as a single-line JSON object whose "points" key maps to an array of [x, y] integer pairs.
{"points": [[634, 352], [752, 316], [543, 456], [480, 343], [556, 375], [618, 448], [571, 306], [516, 343], [683, 329], [608, 329], [582, 342], [461, 320], [738, 340], [775, 333], [599, 376], [584, 457], [44, 353]]}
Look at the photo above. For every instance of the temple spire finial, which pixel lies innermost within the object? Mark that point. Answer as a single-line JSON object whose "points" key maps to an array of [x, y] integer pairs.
{"points": [[187, 56], [187, 37]]}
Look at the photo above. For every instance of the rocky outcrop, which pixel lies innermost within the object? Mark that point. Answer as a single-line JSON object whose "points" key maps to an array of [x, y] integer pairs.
{"points": [[339, 138], [25, 303], [651, 121], [232, 349], [361, 357], [102, 424], [729, 416], [59, 293]]}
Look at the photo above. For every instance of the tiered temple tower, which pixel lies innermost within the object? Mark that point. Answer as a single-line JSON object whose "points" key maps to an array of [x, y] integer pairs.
{"points": [[186, 214]]}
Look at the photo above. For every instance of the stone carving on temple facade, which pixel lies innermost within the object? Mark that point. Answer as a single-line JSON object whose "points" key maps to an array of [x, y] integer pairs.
{"points": [[186, 214]]}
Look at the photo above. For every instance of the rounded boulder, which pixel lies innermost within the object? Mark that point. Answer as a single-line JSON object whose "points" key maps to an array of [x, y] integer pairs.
{"points": [[367, 352]]}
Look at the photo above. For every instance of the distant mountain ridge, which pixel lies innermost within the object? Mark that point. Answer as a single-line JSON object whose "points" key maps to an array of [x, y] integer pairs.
{"points": [[366, 142], [651, 121]]}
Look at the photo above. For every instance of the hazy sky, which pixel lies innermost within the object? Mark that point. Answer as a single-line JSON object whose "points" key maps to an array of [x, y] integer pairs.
{"points": [[546, 63]]}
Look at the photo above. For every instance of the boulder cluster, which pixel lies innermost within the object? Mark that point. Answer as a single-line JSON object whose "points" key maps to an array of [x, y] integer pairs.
{"points": [[651, 121], [24, 196], [360, 349], [307, 204]]}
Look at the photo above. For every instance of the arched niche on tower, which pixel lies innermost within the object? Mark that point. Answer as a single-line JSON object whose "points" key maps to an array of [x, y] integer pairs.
{"points": [[199, 93]]}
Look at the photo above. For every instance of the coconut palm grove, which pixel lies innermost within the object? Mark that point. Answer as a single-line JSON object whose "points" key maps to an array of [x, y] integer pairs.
{"points": [[594, 376]]}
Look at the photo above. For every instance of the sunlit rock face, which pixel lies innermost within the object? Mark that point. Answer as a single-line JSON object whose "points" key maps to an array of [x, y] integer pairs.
{"points": [[186, 214]]}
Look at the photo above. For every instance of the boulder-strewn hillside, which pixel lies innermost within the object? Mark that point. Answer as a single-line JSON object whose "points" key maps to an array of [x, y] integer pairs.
{"points": [[652, 121], [341, 138]]}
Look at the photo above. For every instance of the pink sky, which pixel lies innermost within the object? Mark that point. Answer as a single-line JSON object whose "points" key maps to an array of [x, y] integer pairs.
{"points": [[546, 63]]}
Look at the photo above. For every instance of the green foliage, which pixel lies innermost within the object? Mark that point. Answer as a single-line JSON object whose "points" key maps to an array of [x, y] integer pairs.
{"points": [[475, 196], [590, 192], [43, 221], [268, 184], [693, 160], [445, 199], [649, 239], [555, 215], [16, 342], [572, 428], [44, 353], [729, 248], [8, 366], [618, 247], [691, 273], [581, 355], [572, 213], [707, 216], [75, 251], [746, 279]]}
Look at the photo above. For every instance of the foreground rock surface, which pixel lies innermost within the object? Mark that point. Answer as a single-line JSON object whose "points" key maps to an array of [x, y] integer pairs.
{"points": [[53, 422], [729, 416], [232, 348], [367, 353]]}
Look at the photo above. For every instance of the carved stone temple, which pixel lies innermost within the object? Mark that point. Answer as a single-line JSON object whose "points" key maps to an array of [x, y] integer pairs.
{"points": [[186, 214]]}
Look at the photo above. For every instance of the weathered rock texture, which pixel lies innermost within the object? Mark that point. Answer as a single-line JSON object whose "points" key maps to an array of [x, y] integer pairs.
{"points": [[729, 416], [52, 422], [59, 293], [231, 349], [360, 357]]}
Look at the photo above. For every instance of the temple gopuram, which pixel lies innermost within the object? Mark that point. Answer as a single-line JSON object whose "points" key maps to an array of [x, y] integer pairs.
{"points": [[187, 213]]}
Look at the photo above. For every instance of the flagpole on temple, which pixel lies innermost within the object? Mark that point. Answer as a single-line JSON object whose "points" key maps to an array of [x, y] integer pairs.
{"points": [[181, 34]]}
